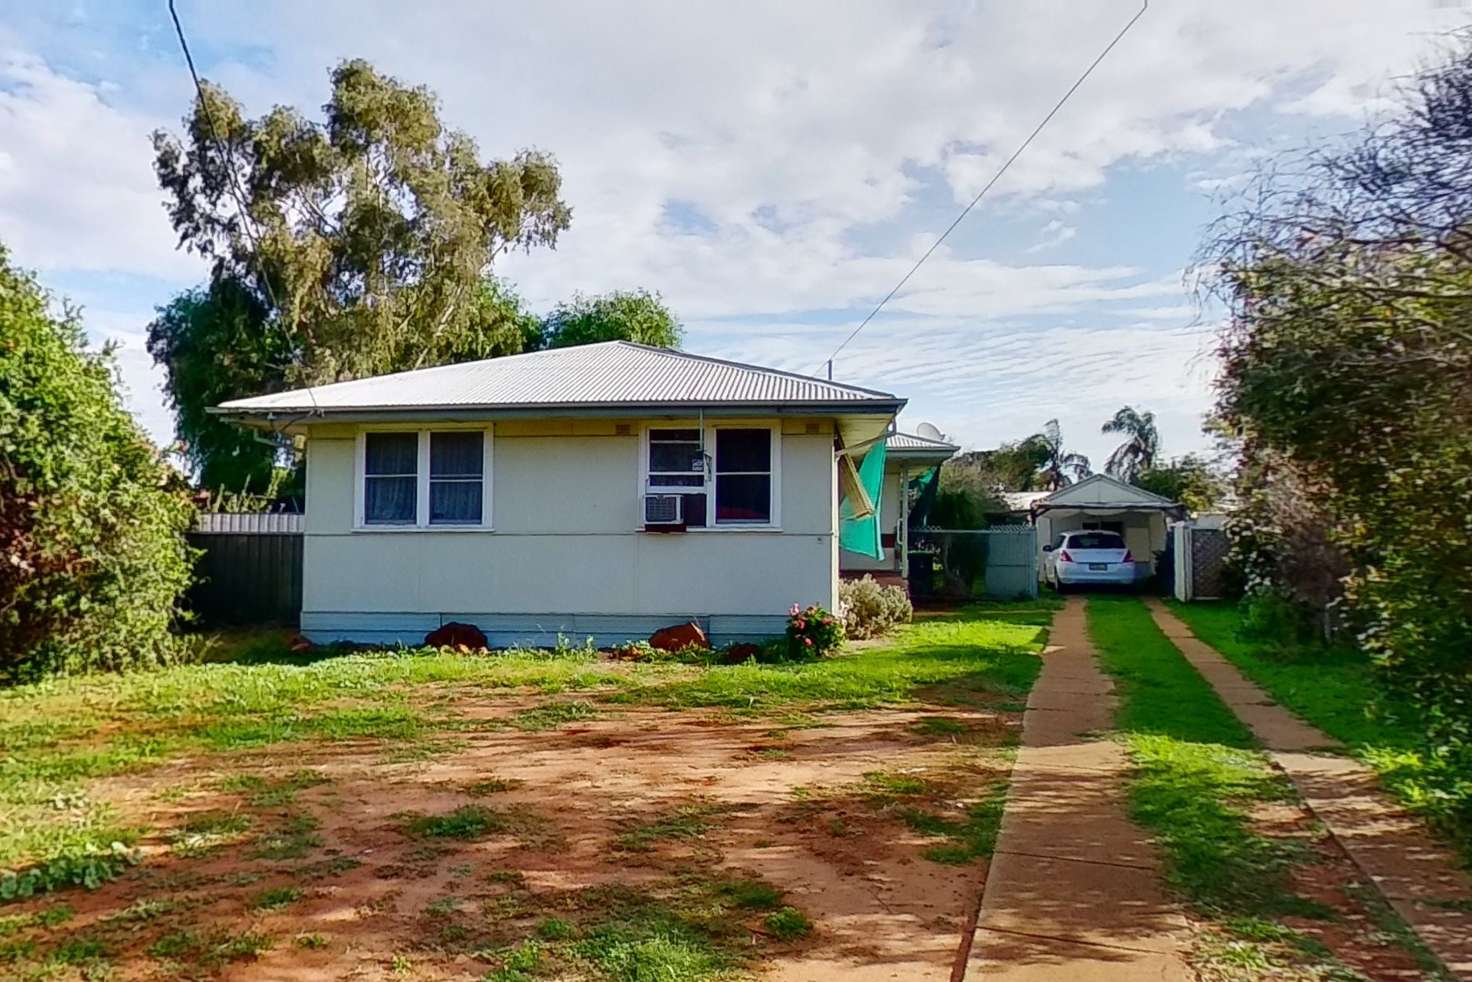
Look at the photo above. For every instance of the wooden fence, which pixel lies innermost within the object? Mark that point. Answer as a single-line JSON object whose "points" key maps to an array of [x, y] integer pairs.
{"points": [[251, 569]]}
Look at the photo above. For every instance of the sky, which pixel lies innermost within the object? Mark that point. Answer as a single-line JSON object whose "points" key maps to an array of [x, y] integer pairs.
{"points": [[772, 168]]}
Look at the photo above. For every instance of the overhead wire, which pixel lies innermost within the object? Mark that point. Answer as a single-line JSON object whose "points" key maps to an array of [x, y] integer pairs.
{"points": [[238, 193], [989, 184]]}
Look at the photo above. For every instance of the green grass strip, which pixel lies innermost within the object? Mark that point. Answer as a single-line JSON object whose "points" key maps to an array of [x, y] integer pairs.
{"points": [[1196, 773]]}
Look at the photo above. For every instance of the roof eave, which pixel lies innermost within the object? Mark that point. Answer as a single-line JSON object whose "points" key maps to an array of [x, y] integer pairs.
{"points": [[293, 415]]}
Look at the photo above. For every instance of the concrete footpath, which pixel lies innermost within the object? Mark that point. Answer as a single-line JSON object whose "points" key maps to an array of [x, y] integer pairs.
{"points": [[1074, 889], [1418, 876]]}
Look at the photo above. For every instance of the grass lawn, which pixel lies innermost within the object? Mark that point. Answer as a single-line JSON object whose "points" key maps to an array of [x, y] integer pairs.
{"points": [[1336, 690], [541, 814], [1225, 820]]}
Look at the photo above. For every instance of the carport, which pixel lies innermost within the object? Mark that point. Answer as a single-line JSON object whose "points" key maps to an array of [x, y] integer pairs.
{"points": [[1101, 502]]}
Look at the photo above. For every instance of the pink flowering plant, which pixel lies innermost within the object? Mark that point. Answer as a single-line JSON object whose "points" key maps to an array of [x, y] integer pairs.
{"points": [[812, 632]]}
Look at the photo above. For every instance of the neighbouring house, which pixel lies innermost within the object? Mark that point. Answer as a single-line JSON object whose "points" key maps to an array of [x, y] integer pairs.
{"points": [[601, 491], [1101, 502], [907, 456]]}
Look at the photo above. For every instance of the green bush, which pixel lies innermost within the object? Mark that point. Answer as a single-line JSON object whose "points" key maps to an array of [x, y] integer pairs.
{"points": [[870, 609], [812, 632], [92, 552]]}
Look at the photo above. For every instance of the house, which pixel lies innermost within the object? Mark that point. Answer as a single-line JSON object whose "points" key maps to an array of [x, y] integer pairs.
{"points": [[1101, 502], [907, 456], [601, 491]]}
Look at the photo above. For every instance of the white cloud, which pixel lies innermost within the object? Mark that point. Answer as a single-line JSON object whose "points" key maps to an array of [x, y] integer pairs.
{"points": [[802, 132], [77, 190]]}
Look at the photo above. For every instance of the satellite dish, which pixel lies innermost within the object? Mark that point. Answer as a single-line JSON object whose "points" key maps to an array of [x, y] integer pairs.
{"points": [[931, 432]]}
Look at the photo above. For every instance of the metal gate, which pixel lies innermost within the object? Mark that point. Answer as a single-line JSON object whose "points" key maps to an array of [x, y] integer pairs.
{"points": [[1200, 556], [966, 564]]}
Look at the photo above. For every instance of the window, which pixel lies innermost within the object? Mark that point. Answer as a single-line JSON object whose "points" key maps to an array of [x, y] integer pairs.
{"points": [[726, 476], [456, 476], [1095, 540], [677, 462], [425, 478], [390, 478], [743, 476]]}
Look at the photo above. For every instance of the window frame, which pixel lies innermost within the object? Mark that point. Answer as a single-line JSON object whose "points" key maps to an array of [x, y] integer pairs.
{"points": [[421, 521], [774, 524]]}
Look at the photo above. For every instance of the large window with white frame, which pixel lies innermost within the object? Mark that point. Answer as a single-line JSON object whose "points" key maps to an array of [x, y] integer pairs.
{"points": [[726, 476], [424, 479]]}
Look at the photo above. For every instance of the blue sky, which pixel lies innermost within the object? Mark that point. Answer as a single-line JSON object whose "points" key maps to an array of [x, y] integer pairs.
{"points": [[771, 168]]}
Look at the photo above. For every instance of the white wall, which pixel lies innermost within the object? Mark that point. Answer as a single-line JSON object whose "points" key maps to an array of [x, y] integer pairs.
{"points": [[567, 552]]}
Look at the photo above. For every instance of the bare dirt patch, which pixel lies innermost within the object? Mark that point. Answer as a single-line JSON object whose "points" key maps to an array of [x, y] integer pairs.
{"points": [[846, 844]]}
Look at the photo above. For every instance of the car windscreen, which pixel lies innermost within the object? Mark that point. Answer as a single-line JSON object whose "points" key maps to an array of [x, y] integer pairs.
{"points": [[1095, 540]]}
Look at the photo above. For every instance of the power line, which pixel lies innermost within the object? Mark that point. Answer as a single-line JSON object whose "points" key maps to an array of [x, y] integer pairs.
{"points": [[988, 186], [236, 190]]}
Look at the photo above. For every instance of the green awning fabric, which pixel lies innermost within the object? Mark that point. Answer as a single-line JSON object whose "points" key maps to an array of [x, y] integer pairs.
{"points": [[861, 535]]}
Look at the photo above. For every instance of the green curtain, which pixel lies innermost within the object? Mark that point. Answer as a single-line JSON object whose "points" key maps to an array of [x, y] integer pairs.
{"points": [[861, 535]]}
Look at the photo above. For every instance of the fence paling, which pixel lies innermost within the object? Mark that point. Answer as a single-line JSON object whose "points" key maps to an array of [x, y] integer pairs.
{"points": [[960, 564], [250, 570]]}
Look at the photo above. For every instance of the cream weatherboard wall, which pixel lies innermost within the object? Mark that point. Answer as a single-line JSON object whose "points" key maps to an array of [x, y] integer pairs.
{"points": [[564, 552]]}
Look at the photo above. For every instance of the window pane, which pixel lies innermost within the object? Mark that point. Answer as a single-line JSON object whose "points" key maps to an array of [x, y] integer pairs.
{"points": [[389, 500], [680, 458], [454, 502], [692, 510], [678, 436], [391, 453], [456, 454], [743, 498], [743, 450], [676, 480]]}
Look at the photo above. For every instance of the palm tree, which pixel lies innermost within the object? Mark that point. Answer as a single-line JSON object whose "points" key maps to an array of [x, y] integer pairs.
{"points": [[1138, 452], [1059, 467]]}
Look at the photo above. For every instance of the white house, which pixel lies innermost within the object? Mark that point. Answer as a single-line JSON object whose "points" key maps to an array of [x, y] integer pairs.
{"points": [[600, 491], [908, 455], [1101, 502]]}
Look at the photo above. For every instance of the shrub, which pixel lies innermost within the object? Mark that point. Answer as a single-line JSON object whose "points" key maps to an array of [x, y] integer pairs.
{"points": [[92, 552], [812, 632], [870, 609]]}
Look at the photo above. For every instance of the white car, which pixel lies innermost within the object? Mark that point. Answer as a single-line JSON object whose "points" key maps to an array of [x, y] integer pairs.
{"points": [[1088, 557]]}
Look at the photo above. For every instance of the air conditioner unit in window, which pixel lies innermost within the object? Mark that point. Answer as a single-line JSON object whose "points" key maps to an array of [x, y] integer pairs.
{"points": [[663, 513]]}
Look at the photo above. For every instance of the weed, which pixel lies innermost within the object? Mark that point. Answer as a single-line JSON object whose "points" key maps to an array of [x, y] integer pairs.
{"points": [[553, 715], [882, 784], [210, 949], [685, 822], [939, 726], [443, 907], [312, 942], [555, 929], [465, 822], [750, 894], [293, 840], [78, 950], [206, 832], [788, 924], [275, 898], [490, 786], [265, 792], [141, 911]]}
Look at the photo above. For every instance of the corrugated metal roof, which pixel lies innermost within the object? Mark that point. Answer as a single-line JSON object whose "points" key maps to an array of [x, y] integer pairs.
{"points": [[614, 373], [911, 441]]}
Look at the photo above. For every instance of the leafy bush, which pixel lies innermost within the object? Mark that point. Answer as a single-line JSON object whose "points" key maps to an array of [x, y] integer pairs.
{"points": [[92, 552], [812, 632], [870, 609], [1271, 615]]}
